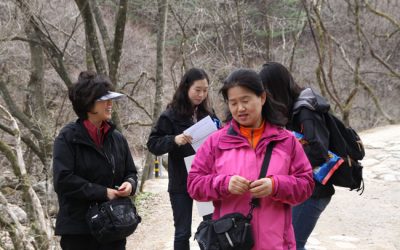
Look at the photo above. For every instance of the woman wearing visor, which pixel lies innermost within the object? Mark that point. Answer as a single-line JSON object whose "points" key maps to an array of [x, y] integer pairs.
{"points": [[91, 162]]}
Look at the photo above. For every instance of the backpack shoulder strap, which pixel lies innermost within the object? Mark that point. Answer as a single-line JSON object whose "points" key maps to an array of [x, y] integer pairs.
{"points": [[337, 143]]}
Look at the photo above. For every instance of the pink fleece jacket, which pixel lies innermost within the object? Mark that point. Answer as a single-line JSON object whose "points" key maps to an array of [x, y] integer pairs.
{"points": [[226, 153]]}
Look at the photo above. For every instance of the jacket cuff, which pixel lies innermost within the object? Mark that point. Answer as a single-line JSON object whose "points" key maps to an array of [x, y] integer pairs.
{"points": [[274, 185], [225, 186], [134, 185]]}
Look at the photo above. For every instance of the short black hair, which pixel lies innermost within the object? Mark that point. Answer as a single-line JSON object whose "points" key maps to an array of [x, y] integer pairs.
{"points": [[84, 93], [272, 111]]}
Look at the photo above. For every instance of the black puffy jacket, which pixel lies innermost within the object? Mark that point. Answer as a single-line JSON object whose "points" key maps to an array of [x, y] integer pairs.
{"points": [[162, 141], [83, 171], [308, 119]]}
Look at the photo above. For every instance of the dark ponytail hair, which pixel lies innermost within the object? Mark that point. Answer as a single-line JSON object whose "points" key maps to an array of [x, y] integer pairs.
{"points": [[181, 103], [272, 111], [277, 79]]}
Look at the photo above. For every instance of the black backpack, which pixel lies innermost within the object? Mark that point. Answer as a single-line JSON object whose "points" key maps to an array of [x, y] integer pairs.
{"points": [[346, 143]]}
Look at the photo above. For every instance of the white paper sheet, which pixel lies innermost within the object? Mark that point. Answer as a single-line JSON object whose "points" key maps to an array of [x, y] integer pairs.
{"points": [[200, 131], [203, 208]]}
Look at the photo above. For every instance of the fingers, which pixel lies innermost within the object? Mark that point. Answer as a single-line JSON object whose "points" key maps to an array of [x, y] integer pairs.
{"points": [[261, 188], [183, 139], [238, 185], [111, 193], [124, 190], [189, 139]]}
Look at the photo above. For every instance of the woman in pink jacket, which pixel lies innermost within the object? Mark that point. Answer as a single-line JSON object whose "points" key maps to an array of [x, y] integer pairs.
{"points": [[226, 167]]}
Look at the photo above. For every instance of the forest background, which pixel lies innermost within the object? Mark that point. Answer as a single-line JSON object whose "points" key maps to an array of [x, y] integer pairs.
{"points": [[348, 50]]}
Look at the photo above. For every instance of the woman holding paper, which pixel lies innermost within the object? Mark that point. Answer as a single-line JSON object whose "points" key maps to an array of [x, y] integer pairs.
{"points": [[305, 115], [227, 166], [189, 105]]}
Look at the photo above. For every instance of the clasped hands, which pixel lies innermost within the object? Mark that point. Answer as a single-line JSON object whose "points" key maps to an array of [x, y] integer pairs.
{"points": [[259, 188], [122, 191]]}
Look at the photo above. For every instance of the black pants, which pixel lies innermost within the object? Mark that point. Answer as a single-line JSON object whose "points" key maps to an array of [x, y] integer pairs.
{"points": [[182, 210], [87, 242]]}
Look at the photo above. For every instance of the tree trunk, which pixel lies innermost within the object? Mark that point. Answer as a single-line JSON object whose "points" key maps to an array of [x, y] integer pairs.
{"points": [[102, 29], [88, 56], [118, 40], [40, 225], [163, 11], [9, 220], [91, 33], [267, 30], [243, 59]]}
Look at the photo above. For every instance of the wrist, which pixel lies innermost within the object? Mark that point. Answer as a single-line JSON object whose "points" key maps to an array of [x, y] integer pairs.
{"points": [[133, 185], [272, 185]]}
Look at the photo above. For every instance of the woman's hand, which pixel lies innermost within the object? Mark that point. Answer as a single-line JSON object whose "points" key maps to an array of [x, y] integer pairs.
{"points": [[111, 193], [183, 139], [238, 185], [261, 187], [124, 190]]}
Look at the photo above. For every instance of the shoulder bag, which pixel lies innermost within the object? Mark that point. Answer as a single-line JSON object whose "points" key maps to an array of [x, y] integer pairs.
{"points": [[112, 220]]}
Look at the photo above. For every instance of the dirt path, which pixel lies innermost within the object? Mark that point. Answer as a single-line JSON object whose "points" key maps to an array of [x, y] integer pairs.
{"points": [[370, 221], [157, 229]]}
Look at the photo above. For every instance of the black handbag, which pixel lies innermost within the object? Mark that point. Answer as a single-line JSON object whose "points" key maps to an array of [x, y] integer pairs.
{"points": [[112, 220], [232, 231]]}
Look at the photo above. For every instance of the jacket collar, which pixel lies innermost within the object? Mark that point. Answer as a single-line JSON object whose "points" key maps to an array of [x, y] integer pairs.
{"points": [[81, 135], [270, 131], [233, 138]]}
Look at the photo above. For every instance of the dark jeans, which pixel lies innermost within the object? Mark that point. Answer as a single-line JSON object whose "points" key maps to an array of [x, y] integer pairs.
{"points": [[87, 242], [305, 217], [182, 210]]}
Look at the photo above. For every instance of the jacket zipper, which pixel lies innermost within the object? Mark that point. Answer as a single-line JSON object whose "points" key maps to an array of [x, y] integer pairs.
{"points": [[252, 138], [102, 152]]}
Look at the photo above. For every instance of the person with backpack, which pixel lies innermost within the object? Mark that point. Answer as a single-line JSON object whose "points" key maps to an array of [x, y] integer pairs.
{"points": [[305, 113], [226, 168], [189, 105]]}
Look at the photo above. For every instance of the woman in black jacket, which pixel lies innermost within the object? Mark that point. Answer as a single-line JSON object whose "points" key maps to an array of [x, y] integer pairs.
{"points": [[189, 105], [305, 115], [91, 162]]}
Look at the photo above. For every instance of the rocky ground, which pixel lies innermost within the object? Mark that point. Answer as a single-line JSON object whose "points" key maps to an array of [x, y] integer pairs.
{"points": [[351, 221]]}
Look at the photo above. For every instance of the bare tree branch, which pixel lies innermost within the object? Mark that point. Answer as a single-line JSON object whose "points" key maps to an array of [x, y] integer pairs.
{"points": [[138, 105], [296, 38], [9, 220], [382, 14], [68, 34], [126, 125], [118, 39], [377, 57], [16, 111], [320, 67], [54, 54], [359, 79], [36, 214], [28, 142], [182, 25], [69, 37]]}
